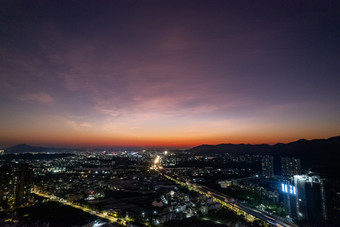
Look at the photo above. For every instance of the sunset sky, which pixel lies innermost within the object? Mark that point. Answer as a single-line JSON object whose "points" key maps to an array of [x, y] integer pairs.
{"points": [[168, 73]]}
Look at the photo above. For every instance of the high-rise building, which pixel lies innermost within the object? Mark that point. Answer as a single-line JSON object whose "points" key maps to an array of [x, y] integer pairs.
{"points": [[290, 166], [15, 185], [288, 191], [267, 166], [311, 204]]}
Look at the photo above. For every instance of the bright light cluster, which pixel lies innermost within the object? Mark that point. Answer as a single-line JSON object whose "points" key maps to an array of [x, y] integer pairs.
{"points": [[291, 189]]}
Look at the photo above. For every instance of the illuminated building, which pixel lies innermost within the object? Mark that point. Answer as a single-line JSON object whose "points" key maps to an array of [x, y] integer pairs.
{"points": [[15, 185], [267, 166], [311, 198], [290, 166], [289, 198]]}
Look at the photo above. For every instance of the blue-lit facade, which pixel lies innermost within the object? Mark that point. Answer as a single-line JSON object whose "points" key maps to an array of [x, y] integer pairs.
{"points": [[288, 189], [289, 194]]}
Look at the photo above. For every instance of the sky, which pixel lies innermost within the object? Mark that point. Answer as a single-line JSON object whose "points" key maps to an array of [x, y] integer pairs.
{"points": [[168, 73]]}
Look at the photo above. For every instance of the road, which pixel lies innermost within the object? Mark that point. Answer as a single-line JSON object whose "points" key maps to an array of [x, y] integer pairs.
{"points": [[276, 221], [87, 210], [222, 198]]}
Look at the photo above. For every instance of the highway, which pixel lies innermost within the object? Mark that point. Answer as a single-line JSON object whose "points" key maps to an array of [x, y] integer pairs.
{"points": [[276, 221], [227, 200]]}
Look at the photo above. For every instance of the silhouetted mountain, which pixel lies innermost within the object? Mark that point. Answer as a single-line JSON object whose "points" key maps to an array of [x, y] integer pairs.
{"points": [[312, 153], [24, 148]]}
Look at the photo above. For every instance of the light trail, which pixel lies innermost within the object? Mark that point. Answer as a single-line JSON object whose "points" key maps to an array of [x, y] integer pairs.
{"points": [[87, 210], [156, 163]]}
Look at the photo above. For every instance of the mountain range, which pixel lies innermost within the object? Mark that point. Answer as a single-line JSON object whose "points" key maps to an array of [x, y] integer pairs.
{"points": [[317, 153]]}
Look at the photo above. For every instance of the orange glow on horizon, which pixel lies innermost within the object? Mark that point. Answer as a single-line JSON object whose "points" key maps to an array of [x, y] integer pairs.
{"points": [[152, 142], [181, 82]]}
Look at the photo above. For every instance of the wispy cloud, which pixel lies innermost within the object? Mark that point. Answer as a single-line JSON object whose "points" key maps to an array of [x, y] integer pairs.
{"points": [[78, 126], [42, 98]]}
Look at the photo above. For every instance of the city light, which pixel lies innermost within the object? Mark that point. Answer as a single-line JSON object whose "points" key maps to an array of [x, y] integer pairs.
{"points": [[284, 188]]}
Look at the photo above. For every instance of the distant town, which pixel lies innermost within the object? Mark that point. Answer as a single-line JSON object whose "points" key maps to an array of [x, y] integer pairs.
{"points": [[163, 188]]}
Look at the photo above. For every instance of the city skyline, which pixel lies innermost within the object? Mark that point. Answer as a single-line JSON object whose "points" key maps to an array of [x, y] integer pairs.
{"points": [[151, 73]]}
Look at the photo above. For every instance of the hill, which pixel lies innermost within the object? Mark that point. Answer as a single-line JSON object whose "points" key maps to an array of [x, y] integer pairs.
{"points": [[317, 152], [24, 148]]}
